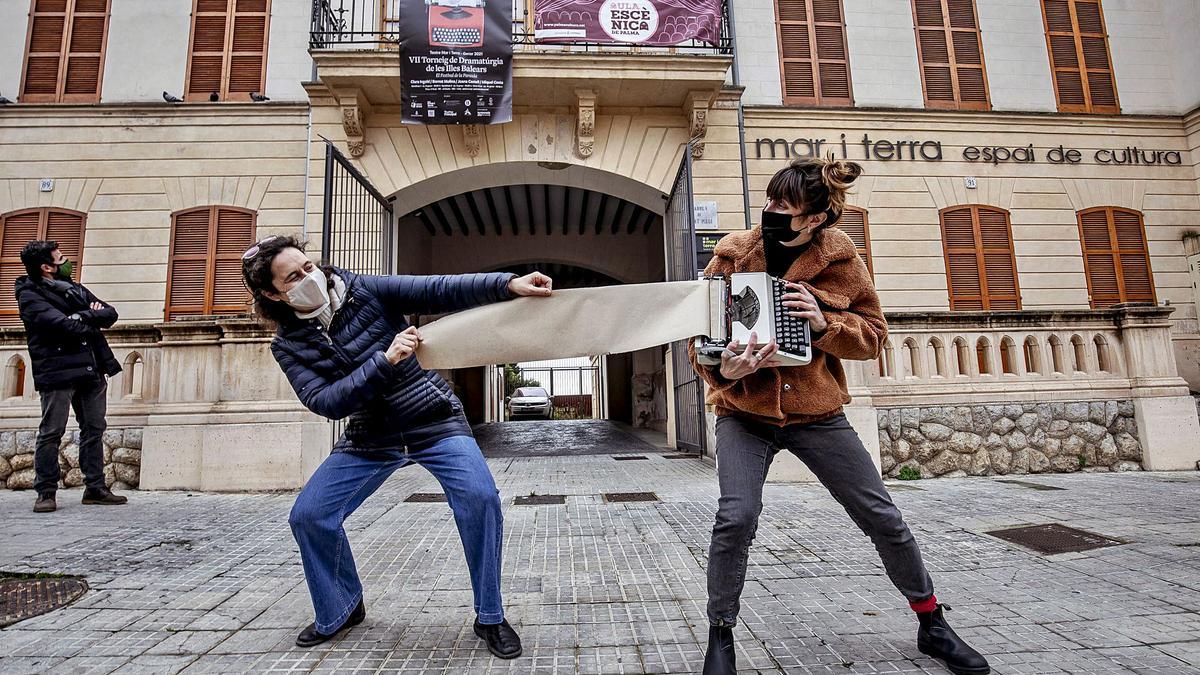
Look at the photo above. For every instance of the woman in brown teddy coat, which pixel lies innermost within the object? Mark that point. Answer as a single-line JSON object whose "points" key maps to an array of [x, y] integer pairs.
{"points": [[762, 407]]}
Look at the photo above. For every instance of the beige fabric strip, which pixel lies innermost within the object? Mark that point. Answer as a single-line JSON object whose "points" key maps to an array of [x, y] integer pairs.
{"points": [[569, 323]]}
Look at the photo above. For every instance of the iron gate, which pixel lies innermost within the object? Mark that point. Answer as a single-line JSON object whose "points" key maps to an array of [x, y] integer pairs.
{"points": [[356, 223], [356, 226], [679, 229]]}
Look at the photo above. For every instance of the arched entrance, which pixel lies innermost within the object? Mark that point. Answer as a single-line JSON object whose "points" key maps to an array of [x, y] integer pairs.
{"points": [[582, 225]]}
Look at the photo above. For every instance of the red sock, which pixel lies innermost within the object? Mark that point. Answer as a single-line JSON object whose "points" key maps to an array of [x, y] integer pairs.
{"points": [[924, 605]]}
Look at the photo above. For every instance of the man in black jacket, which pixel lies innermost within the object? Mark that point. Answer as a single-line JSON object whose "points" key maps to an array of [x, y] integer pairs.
{"points": [[71, 364]]}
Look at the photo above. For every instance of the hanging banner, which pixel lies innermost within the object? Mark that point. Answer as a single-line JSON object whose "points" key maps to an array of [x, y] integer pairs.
{"points": [[645, 22], [456, 61]]}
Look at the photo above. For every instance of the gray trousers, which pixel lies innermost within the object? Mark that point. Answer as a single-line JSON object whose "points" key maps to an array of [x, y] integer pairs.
{"points": [[834, 453], [88, 400]]}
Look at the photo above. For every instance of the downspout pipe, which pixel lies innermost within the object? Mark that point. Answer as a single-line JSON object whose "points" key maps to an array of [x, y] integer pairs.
{"points": [[737, 80]]}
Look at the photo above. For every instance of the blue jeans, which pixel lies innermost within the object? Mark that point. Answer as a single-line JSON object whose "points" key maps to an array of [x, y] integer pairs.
{"points": [[345, 480]]}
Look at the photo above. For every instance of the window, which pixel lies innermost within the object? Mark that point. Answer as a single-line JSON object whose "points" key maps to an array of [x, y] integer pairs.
{"points": [[64, 53], [951, 54], [1079, 56], [854, 223], [204, 276], [980, 268], [228, 56], [21, 227], [1115, 257], [812, 46]]}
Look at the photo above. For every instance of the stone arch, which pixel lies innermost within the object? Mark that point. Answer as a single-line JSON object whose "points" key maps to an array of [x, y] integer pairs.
{"points": [[14, 377]]}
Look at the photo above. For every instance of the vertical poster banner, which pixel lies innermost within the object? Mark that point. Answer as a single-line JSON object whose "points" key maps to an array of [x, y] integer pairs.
{"points": [[456, 61], [645, 22]]}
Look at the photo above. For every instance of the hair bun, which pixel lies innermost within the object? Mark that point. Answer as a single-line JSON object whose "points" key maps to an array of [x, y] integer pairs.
{"points": [[838, 174]]}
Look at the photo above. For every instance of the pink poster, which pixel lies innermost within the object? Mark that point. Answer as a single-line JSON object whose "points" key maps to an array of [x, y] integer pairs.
{"points": [[645, 22]]}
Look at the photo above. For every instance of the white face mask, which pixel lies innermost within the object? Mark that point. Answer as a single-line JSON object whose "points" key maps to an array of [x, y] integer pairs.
{"points": [[311, 294]]}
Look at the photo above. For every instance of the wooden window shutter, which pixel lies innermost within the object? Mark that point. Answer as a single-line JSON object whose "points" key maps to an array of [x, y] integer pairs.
{"points": [[204, 276], [1079, 56], [1116, 259], [854, 223], [21, 227], [981, 271], [951, 54], [228, 54], [64, 55], [815, 62]]}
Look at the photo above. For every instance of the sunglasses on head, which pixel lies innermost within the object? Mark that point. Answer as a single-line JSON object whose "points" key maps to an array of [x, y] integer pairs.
{"points": [[257, 248]]}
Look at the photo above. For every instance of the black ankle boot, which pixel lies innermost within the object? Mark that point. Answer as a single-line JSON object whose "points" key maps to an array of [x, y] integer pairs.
{"points": [[937, 639], [721, 659], [311, 637]]}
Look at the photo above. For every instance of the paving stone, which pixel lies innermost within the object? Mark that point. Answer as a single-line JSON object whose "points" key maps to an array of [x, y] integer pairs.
{"points": [[207, 583]]}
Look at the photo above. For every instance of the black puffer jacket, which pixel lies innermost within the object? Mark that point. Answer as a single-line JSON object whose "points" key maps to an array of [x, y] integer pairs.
{"points": [[63, 350], [344, 373]]}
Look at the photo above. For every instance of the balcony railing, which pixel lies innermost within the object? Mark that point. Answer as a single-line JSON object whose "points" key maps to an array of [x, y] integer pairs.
{"points": [[366, 24]]}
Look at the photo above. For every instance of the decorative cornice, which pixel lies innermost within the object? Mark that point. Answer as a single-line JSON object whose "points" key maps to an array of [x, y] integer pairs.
{"points": [[697, 113]]}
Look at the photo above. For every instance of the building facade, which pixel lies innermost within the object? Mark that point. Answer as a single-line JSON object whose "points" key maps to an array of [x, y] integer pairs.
{"points": [[1030, 209]]}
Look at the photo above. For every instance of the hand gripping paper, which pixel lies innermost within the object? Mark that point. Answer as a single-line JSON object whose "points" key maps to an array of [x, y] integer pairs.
{"points": [[569, 323]]}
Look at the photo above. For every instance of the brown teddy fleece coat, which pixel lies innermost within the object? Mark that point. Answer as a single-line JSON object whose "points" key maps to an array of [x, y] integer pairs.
{"points": [[831, 268]]}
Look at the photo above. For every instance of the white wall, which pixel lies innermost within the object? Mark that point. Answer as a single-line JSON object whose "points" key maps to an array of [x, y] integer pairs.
{"points": [[883, 54], [14, 21], [288, 62], [1182, 19], [147, 50], [1142, 59], [757, 43], [1015, 54]]}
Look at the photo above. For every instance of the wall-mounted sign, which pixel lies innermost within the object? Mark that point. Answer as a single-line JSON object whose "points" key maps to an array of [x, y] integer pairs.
{"points": [[456, 61], [908, 149], [646, 22], [47, 185], [705, 215]]}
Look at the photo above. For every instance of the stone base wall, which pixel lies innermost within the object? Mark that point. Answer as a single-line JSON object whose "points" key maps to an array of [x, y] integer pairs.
{"points": [[984, 440], [122, 459]]}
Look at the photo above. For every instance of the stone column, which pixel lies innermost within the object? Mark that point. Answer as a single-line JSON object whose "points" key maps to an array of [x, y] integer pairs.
{"points": [[1168, 428]]}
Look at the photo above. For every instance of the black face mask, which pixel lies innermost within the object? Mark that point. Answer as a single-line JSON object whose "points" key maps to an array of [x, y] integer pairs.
{"points": [[777, 227]]}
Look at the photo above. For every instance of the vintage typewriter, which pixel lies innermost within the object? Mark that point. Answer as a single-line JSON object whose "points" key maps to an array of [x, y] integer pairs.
{"points": [[752, 302], [456, 24]]}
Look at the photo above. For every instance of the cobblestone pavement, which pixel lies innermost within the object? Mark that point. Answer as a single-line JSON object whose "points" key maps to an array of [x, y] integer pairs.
{"points": [[212, 583]]}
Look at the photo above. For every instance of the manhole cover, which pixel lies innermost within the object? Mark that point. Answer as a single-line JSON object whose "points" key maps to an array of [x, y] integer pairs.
{"points": [[626, 458], [1054, 538], [425, 498], [1031, 486], [540, 500], [613, 497], [681, 456], [22, 599]]}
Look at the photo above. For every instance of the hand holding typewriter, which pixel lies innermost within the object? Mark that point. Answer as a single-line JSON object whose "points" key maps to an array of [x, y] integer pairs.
{"points": [[804, 306], [735, 366]]}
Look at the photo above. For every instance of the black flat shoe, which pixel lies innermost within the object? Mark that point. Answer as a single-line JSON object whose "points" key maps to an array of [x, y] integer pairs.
{"points": [[501, 639], [311, 637], [937, 639], [721, 657]]}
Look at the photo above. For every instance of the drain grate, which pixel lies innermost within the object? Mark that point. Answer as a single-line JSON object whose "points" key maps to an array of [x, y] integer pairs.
{"points": [[425, 498], [22, 599], [614, 497], [1054, 538], [628, 458], [681, 456], [1031, 486], [540, 500]]}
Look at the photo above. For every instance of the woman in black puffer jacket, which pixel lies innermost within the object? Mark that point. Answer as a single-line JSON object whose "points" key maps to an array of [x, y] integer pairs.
{"points": [[345, 345]]}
